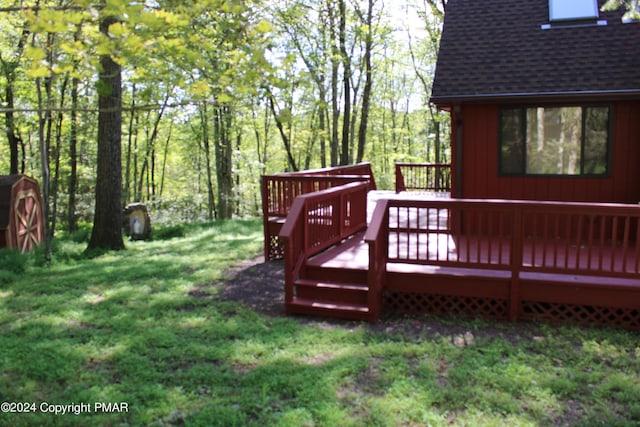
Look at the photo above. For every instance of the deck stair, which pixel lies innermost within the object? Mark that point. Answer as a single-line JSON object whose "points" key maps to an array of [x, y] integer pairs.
{"points": [[332, 290]]}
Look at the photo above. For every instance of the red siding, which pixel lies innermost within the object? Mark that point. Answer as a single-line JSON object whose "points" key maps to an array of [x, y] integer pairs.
{"points": [[481, 180]]}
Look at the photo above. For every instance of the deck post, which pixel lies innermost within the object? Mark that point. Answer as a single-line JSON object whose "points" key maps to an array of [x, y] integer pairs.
{"points": [[265, 216], [516, 263]]}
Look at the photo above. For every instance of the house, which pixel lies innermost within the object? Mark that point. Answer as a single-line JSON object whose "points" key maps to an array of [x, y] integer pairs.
{"points": [[544, 97]]}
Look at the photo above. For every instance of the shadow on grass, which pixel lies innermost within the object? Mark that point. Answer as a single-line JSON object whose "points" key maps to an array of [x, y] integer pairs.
{"points": [[167, 328]]}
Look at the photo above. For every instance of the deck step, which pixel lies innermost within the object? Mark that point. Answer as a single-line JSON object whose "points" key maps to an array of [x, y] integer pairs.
{"points": [[331, 292], [328, 309], [336, 274]]}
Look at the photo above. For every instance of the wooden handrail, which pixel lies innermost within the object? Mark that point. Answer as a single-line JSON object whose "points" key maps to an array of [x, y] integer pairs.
{"points": [[423, 177], [362, 168], [280, 190], [377, 237], [526, 240], [553, 237], [319, 220]]}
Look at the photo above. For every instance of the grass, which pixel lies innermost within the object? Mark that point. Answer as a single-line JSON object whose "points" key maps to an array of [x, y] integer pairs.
{"points": [[122, 327]]}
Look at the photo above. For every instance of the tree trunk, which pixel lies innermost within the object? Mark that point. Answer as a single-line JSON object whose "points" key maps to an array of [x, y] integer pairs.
{"points": [[204, 122], [58, 148], [164, 160], [285, 139], [335, 65], [44, 162], [346, 82], [132, 130], [12, 136], [107, 221], [224, 166], [366, 95], [9, 70], [73, 156]]}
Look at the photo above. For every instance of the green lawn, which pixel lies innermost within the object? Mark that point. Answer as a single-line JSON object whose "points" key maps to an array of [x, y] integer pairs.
{"points": [[123, 328]]}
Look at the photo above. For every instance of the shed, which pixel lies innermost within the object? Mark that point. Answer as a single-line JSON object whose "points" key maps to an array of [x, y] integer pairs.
{"points": [[21, 219], [137, 222]]}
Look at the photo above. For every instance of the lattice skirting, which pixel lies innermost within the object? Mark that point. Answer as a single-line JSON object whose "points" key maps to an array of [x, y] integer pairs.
{"points": [[445, 305], [585, 315], [448, 305]]}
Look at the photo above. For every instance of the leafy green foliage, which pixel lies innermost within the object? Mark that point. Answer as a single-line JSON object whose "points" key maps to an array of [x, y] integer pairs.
{"points": [[13, 261]]}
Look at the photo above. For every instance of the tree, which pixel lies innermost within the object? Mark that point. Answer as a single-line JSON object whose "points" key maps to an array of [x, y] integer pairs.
{"points": [[9, 63], [107, 222], [632, 7], [366, 96]]}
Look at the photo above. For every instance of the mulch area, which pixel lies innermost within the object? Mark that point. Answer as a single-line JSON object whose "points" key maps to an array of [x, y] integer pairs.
{"points": [[259, 285]]}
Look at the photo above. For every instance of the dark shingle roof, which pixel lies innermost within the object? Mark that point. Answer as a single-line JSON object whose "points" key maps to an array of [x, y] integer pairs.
{"points": [[494, 49]]}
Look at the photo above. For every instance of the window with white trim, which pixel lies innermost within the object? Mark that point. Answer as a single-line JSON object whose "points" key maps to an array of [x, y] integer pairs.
{"points": [[573, 10]]}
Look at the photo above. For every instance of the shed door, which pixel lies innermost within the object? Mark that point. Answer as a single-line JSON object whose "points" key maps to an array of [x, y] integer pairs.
{"points": [[28, 220]]}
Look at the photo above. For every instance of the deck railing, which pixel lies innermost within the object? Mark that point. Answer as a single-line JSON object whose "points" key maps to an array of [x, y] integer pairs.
{"points": [[319, 220], [539, 242], [279, 192], [282, 190], [423, 177]]}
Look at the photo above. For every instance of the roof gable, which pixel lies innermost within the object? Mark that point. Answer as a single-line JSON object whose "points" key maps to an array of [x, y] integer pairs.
{"points": [[498, 49]]}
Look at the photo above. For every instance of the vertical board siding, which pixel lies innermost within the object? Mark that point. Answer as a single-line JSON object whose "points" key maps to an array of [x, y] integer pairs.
{"points": [[482, 180]]}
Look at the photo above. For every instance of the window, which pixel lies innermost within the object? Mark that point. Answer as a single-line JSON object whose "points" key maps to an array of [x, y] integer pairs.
{"points": [[570, 140], [572, 10]]}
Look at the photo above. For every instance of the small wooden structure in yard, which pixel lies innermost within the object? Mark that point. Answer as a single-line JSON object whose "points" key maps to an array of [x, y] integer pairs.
{"points": [[137, 222], [21, 219]]}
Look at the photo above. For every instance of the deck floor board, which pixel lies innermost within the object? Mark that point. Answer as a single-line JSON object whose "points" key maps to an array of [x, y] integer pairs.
{"points": [[353, 253]]}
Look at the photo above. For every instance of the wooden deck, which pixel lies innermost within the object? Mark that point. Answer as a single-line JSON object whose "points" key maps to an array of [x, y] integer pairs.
{"points": [[498, 259], [357, 253]]}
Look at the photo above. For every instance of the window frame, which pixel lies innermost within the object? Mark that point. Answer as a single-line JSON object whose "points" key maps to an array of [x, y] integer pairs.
{"points": [[522, 109], [567, 11]]}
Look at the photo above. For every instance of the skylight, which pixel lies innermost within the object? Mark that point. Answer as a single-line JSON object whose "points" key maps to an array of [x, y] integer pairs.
{"points": [[573, 10]]}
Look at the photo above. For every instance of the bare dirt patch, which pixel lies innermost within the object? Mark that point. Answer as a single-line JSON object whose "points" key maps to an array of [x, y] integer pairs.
{"points": [[260, 286]]}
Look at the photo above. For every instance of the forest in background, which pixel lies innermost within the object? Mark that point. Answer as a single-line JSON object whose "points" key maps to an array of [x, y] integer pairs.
{"points": [[214, 94]]}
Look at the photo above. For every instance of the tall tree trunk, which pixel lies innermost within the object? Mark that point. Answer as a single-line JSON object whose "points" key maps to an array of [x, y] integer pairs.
{"points": [[44, 162], [346, 82], [285, 138], [12, 136], [73, 156], [164, 160], [132, 131], [58, 149], [224, 166], [366, 95], [204, 122], [322, 127], [237, 183], [107, 221], [151, 145], [335, 68], [9, 70]]}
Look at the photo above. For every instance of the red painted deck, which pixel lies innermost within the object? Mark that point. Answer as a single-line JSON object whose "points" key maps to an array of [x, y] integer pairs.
{"points": [[354, 253], [500, 259]]}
